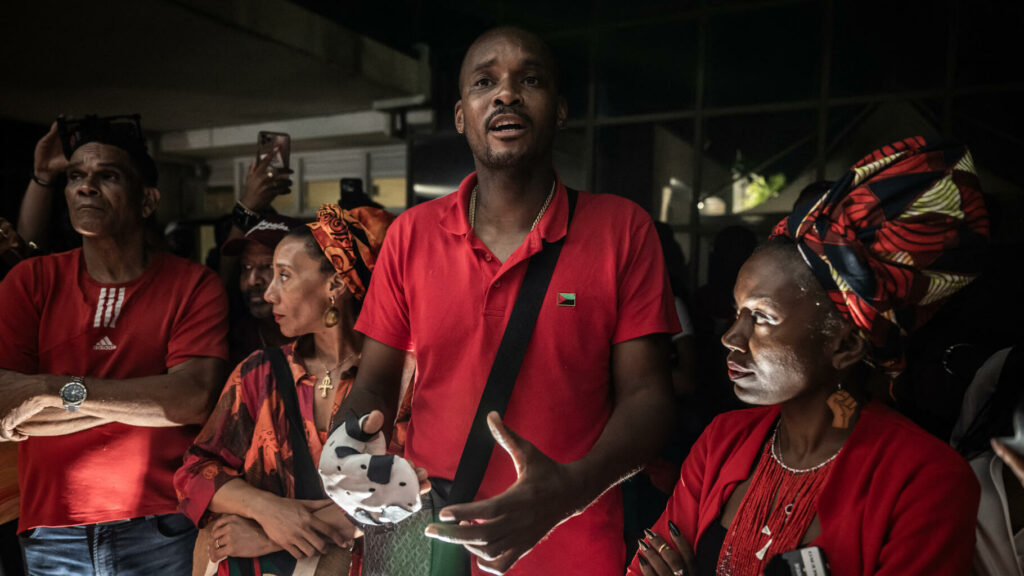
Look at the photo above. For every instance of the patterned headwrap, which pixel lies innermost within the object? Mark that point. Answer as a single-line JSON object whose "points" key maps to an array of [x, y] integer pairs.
{"points": [[890, 241], [351, 240]]}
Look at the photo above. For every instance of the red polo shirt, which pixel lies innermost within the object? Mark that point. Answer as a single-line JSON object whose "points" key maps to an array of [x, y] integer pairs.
{"points": [[438, 290]]}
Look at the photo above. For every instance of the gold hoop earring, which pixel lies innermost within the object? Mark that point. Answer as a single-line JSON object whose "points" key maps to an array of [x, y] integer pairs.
{"points": [[843, 406], [332, 316]]}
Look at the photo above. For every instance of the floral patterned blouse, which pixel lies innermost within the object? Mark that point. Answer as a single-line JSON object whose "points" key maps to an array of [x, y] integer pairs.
{"points": [[246, 436]]}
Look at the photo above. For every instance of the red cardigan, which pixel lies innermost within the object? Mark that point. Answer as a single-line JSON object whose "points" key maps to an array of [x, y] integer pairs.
{"points": [[898, 500]]}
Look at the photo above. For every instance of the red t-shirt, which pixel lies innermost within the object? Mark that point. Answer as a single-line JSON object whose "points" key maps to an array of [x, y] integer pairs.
{"points": [[57, 320], [439, 291]]}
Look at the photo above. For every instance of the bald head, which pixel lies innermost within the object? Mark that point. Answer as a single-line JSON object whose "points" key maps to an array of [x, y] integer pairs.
{"points": [[524, 39]]}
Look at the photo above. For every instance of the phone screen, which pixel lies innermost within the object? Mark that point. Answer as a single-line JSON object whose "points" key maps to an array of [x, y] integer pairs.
{"points": [[266, 143]]}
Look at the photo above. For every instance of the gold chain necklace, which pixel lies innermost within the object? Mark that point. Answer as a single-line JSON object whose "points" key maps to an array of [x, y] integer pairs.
{"points": [[326, 383], [543, 209]]}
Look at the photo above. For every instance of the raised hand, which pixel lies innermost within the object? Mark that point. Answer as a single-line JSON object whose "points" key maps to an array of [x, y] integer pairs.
{"points": [[502, 529], [263, 183], [49, 156]]}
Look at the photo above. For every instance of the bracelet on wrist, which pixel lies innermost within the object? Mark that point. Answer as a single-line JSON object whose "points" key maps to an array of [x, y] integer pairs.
{"points": [[243, 218], [42, 183]]}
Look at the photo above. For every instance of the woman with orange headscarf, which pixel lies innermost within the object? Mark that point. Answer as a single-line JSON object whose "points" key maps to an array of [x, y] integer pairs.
{"points": [[239, 478]]}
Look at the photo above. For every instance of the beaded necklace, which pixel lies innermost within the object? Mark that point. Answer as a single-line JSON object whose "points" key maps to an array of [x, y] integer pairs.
{"points": [[774, 514]]}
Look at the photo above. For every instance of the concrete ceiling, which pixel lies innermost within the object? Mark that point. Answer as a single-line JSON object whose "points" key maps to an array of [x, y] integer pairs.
{"points": [[187, 64]]}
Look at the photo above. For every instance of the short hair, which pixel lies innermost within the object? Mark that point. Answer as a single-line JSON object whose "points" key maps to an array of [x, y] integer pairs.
{"points": [[545, 51], [124, 132]]}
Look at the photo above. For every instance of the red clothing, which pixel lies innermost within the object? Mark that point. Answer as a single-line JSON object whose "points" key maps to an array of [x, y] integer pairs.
{"points": [[247, 434], [439, 291], [898, 500], [58, 320]]}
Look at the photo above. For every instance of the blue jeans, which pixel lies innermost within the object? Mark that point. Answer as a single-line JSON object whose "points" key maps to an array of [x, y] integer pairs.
{"points": [[137, 547]]}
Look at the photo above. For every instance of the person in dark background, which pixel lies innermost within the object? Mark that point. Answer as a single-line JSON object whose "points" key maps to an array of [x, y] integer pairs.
{"points": [[255, 327], [991, 404], [180, 239], [143, 334], [713, 312], [644, 495]]}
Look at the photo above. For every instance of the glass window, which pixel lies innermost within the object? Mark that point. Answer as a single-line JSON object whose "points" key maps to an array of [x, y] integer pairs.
{"points": [[757, 163], [650, 164], [438, 163], [854, 131], [768, 55], [570, 156], [649, 68], [994, 137], [883, 46], [988, 33], [572, 53], [320, 192], [388, 192]]}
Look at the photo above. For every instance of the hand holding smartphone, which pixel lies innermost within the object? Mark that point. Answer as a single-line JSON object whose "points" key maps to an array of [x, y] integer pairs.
{"points": [[278, 145]]}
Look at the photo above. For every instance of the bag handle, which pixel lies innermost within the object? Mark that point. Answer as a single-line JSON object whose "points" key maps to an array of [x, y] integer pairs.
{"points": [[509, 358], [307, 481]]}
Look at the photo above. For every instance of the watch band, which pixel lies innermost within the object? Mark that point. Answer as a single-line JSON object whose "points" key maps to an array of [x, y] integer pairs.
{"points": [[72, 398], [243, 218]]}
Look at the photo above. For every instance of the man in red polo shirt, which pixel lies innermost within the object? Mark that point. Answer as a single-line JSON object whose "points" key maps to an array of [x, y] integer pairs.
{"points": [[592, 401]]}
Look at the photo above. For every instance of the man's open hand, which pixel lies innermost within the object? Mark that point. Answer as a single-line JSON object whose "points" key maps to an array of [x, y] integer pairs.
{"points": [[503, 529]]}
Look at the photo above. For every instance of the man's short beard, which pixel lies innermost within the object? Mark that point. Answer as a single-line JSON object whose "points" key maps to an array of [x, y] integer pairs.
{"points": [[505, 160]]}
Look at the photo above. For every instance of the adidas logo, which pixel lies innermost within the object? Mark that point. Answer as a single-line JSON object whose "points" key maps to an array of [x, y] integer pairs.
{"points": [[104, 344]]}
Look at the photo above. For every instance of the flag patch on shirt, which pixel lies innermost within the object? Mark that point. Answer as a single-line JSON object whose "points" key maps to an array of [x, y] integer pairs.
{"points": [[105, 344], [566, 299]]}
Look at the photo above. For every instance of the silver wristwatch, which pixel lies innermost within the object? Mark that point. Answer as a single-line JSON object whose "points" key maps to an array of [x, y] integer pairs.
{"points": [[73, 393]]}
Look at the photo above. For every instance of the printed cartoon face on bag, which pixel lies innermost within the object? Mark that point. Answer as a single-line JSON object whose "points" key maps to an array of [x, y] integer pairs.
{"points": [[371, 487]]}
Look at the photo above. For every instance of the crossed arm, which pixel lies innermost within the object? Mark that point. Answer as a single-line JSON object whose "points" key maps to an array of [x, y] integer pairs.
{"points": [[30, 404]]}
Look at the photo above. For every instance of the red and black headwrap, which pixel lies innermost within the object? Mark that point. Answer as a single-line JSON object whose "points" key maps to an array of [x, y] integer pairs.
{"points": [[351, 240], [901, 232]]}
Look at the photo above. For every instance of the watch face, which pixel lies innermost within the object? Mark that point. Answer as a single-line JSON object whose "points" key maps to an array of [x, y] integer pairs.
{"points": [[73, 393]]}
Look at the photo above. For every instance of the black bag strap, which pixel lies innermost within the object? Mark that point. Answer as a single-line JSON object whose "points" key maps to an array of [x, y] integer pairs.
{"points": [[307, 481], [505, 370]]}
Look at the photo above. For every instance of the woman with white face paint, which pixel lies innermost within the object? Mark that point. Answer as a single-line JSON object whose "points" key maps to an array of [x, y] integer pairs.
{"points": [[820, 310]]}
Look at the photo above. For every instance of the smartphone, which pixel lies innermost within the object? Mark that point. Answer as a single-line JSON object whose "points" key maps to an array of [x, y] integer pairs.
{"points": [[265, 144], [809, 561]]}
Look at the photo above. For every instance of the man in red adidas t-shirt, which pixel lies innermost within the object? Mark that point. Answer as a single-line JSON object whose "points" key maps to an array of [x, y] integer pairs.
{"points": [[592, 400], [110, 356]]}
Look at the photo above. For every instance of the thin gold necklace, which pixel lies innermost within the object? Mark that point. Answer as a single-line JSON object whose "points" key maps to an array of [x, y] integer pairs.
{"points": [[543, 209], [326, 383]]}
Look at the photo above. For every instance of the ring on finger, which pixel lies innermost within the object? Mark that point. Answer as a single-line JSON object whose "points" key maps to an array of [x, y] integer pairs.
{"points": [[270, 173], [679, 572], [662, 547]]}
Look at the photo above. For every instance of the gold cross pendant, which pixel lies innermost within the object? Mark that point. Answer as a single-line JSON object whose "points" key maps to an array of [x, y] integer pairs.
{"points": [[325, 385]]}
